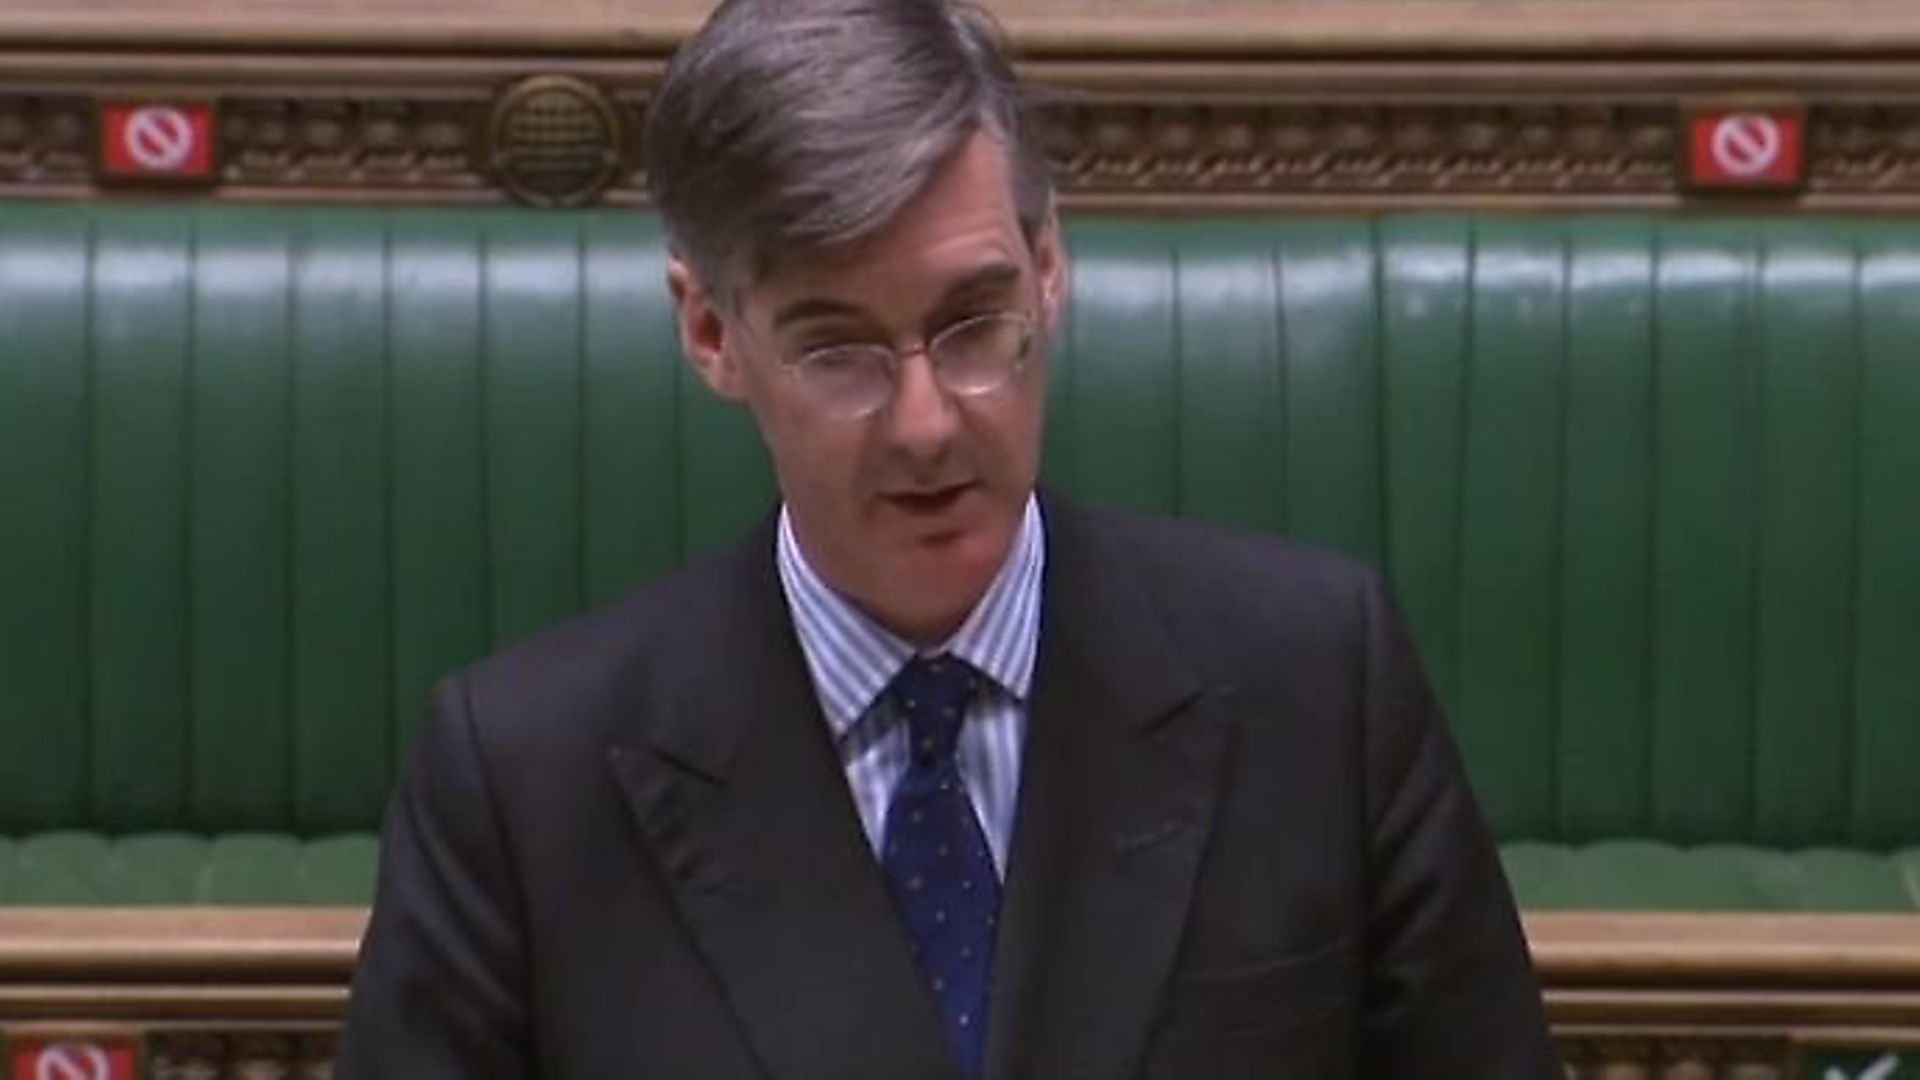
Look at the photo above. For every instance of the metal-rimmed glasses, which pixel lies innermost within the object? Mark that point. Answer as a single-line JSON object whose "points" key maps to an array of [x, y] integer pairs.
{"points": [[974, 356]]}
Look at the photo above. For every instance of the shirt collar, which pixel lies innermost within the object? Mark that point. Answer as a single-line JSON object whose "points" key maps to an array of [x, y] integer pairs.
{"points": [[852, 658]]}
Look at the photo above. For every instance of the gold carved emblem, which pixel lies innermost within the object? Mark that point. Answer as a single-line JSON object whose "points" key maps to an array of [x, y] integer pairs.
{"points": [[555, 140]]}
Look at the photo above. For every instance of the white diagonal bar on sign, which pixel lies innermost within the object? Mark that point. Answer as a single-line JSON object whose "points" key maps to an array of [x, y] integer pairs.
{"points": [[72, 1061]]}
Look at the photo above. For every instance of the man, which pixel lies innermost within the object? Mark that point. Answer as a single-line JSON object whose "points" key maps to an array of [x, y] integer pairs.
{"points": [[931, 777]]}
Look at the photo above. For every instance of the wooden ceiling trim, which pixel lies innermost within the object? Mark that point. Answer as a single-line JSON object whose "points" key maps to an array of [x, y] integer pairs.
{"points": [[1147, 105], [1069, 28]]}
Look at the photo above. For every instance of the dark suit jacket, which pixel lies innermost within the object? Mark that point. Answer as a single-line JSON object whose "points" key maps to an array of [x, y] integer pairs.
{"points": [[1244, 847]]}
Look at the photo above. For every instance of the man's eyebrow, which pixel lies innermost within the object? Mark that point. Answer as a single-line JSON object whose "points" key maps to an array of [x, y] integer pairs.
{"points": [[989, 276], [815, 308], [992, 275]]}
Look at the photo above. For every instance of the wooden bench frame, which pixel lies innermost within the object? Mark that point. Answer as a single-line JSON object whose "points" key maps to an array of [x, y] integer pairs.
{"points": [[1742, 996]]}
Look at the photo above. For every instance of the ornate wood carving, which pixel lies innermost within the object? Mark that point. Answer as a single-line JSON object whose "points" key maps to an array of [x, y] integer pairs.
{"points": [[45, 139], [1107, 153], [270, 1054], [1314, 104], [1620, 1057], [257, 994], [353, 143], [301, 1054], [1594, 148]]}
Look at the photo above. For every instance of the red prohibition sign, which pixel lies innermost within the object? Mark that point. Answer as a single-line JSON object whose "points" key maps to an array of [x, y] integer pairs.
{"points": [[1747, 144], [159, 137], [170, 141], [72, 1061]]}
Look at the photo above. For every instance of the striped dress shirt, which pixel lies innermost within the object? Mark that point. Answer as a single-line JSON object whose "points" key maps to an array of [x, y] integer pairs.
{"points": [[852, 659]]}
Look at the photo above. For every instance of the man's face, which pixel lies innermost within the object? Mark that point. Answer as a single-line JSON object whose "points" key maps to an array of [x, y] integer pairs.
{"points": [[910, 510]]}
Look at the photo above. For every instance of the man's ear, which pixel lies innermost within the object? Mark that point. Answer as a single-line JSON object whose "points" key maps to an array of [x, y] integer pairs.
{"points": [[703, 332], [1050, 264]]}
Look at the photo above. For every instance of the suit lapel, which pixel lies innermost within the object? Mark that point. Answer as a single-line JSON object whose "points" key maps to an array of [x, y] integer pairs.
{"points": [[739, 795], [1118, 785]]}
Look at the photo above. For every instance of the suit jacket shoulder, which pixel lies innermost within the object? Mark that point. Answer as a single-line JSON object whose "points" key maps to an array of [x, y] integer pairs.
{"points": [[1231, 598], [584, 679]]}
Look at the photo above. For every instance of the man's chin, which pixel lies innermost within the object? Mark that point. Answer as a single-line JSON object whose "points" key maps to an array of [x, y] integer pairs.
{"points": [[935, 558], [951, 567]]}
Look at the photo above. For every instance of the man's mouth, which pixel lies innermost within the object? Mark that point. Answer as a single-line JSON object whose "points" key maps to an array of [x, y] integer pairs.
{"points": [[929, 502]]}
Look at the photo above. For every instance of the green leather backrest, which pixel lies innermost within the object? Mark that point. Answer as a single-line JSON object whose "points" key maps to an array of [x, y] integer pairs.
{"points": [[1649, 490]]}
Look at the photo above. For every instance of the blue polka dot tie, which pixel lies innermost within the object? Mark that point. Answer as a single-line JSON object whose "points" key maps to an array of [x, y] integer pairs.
{"points": [[937, 859]]}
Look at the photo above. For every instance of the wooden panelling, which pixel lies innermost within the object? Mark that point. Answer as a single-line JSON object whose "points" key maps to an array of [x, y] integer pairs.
{"points": [[1147, 29], [1336, 105], [1683, 996]]}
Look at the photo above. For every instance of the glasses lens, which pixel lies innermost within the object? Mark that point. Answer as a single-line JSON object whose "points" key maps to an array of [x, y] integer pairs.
{"points": [[851, 380], [980, 354]]}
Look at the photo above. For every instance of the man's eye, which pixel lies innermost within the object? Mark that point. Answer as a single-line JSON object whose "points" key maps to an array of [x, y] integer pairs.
{"points": [[970, 315], [971, 330], [825, 342], [832, 359]]}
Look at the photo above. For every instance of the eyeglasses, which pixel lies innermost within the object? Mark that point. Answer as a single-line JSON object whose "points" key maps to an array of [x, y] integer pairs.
{"points": [[974, 356]]}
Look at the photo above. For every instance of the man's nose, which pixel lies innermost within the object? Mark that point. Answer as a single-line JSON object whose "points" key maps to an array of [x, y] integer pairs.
{"points": [[921, 418]]}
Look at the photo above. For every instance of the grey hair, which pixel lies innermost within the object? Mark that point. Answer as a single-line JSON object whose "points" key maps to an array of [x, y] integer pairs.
{"points": [[788, 126]]}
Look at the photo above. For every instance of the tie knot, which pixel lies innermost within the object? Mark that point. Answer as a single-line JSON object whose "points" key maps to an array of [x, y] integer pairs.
{"points": [[933, 692]]}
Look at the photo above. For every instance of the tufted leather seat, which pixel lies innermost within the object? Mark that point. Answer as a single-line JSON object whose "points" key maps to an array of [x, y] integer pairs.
{"points": [[1646, 489]]}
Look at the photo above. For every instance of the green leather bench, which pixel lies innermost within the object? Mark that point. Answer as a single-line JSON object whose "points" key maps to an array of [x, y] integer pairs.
{"points": [[1648, 489]]}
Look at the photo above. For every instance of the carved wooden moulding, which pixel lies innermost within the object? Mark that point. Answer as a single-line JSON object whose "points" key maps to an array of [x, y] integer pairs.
{"points": [[1363, 149], [255, 1052], [563, 140], [1632, 1056], [257, 993], [258, 1055], [1639, 1057]]}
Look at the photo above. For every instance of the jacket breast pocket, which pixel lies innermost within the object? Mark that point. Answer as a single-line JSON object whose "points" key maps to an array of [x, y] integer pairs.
{"points": [[1293, 1018]]}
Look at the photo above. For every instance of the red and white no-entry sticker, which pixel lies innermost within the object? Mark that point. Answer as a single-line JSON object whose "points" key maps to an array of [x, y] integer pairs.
{"points": [[159, 137], [73, 1061], [1746, 144], [157, 140], [1747, 148], [106, 1059]]}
